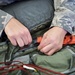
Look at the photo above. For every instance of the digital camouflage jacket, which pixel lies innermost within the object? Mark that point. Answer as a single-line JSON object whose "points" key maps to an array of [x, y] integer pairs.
{"points": [[64, 15]]}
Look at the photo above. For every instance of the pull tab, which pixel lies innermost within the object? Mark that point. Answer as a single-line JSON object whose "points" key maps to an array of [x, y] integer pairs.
{"points": [[39, 39]]}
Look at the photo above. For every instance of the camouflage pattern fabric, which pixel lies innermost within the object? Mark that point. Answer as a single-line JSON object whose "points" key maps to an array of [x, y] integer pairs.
{"points": [[64, 15]]}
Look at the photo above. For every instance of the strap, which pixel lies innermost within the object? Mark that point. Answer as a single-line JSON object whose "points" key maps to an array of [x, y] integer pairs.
{"points": [[72, 62], [24, 67]]}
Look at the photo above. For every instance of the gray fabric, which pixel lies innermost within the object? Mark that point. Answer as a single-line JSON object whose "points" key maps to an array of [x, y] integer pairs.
{"points": [[31, 13], [4, 2]]}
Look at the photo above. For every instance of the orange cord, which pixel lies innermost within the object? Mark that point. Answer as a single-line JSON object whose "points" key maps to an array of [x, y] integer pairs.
{"points": [[39, 39], [69, 39]]}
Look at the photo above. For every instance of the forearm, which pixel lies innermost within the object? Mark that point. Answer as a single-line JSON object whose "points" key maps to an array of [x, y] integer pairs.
{"points": [[4, 19], [65, 17]]}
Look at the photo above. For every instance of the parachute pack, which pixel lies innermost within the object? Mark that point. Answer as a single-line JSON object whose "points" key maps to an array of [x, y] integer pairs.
{"points": [[29, 61]]}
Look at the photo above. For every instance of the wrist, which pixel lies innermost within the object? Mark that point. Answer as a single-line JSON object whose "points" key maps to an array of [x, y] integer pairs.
{"points": [[61, 30]]}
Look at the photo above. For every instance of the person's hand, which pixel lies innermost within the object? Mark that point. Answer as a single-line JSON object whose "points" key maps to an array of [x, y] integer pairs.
{"points": [[17, 33], [52, 40]]}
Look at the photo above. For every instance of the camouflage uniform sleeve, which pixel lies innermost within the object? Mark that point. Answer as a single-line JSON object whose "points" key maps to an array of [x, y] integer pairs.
{"points": [[4, 19], [65, 16]]}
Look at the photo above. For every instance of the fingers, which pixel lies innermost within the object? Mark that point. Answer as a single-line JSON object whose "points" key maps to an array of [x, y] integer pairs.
{"points": [[17, 33], [25, 40], [47, 48], [52, 41], [43, 43], [22, 38], [52, 51], [26, 37], [20, 42], [17, 41], [29, 38], [13, 41]]}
